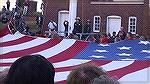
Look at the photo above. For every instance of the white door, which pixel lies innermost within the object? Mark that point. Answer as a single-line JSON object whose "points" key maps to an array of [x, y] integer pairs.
{"points": [[113, 24], [62, 16]]}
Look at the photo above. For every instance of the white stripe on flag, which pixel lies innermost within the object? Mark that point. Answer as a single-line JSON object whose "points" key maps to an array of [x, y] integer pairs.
{"points": [[60, 76], [10, 37], [26, 45], [10, 60], [71, 62], [3, 68], [116, 65], [143, 75], [60, 47]]}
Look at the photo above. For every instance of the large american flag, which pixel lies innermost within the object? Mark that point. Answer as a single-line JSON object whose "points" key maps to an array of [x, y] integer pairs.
{"points": [[128, 60]]}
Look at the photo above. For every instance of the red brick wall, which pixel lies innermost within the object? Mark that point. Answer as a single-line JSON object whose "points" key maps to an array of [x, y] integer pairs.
{"points": [[87, 11], [52, 8]]}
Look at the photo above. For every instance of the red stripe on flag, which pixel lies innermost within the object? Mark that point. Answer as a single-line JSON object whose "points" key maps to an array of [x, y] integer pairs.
{"points": [[14, 54], [17, 41], [4, 32], [135, 66], [69, 53], [61, 82], [5, 64]]}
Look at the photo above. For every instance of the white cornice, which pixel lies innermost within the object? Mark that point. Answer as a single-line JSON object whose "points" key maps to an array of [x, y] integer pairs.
{"points": [[118, 2]]}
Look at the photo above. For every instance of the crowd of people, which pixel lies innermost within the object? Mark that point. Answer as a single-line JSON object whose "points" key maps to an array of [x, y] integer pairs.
{"points": [[16, 16], [80, 32], [84, 32], [36, 69]]}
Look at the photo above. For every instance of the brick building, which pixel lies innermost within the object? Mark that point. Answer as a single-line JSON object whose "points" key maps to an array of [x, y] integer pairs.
{"points": [[105, 15]]}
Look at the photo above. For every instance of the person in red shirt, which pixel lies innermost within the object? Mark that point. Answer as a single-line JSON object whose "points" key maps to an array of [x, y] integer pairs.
{"points": [[104, 39], [130, 36]]}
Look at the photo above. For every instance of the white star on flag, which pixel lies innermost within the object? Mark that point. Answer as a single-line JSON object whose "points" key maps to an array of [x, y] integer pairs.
{"points": [[97, 56], [144, 42], [124, 54], [104, 45], [128, 59], [124, 48], [147, 57], [145, 51], [101, 51]]}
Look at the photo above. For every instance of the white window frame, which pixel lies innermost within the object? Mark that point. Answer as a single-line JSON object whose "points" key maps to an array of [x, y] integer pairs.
{"points": [[130, 25], [96, 24]]}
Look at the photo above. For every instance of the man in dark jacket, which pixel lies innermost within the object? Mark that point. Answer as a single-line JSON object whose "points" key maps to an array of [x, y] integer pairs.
{"points": [[8, 4], [77, 26], [87, 27], [39, 22], [66, 25]]}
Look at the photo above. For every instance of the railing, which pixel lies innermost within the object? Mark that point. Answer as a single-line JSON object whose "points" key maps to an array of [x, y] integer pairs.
{"points": [[80, 34]]}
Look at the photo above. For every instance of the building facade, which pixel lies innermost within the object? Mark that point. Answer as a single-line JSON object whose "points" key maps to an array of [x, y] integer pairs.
{"points": [[105, 15]]}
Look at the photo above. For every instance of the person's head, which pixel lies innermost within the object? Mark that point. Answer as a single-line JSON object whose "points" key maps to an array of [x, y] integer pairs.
{"points": [[109, 35], [78, 19], [104, 35], [114, 33], [121, 28], [104, 79], [31, 69], [129, 34], [85, 74], [88, 21]]}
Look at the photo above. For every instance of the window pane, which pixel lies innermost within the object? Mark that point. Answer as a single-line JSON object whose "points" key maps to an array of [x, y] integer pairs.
{"points": [[134, 23], [95, 18]]}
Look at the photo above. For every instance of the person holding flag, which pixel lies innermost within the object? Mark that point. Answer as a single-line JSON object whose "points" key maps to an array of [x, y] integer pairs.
{"points": [[26, 5]]}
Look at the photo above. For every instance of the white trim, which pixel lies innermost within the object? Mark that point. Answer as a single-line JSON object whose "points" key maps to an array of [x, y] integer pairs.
{"points": [[94, 30], [130, 25], [118, 2]]}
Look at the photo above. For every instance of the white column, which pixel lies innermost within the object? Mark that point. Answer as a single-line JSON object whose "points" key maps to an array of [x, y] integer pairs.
{"points": [[72, 13]]}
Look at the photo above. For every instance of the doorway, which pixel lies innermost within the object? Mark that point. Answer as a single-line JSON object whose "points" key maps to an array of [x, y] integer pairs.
{"points": [[62, 16], [113, 24]]}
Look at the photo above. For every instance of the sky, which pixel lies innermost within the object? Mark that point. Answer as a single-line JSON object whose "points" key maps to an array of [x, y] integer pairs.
{"points": [[12, 4]]}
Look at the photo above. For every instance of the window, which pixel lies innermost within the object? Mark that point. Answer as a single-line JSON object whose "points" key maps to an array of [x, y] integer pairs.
{"points": [[96, 24], [132, 25]]}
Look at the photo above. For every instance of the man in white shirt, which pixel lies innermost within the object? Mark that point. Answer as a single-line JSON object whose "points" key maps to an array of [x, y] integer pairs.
{"points": [[52, 26]]}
